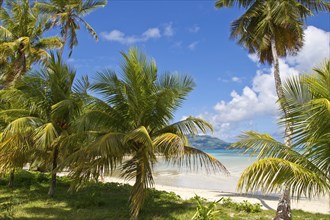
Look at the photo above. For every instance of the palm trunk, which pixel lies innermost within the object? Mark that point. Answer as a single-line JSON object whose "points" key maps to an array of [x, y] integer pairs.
{"points": [[52, 187], [65, 37], [143, 178], [283, 208], [19, 70], [138, 193], [283, 211], [11, 178]]}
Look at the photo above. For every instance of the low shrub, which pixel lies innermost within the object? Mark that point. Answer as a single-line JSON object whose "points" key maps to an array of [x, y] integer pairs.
{"points": [[245, 206], [204, 210], [248, 207]]}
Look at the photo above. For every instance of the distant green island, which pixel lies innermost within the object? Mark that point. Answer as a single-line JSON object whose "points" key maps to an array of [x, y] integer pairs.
{"points": [[206, 142]]}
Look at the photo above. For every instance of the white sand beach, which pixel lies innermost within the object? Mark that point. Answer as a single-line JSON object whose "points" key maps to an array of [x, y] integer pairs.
{"points": [[269, 202], [214, 186]]}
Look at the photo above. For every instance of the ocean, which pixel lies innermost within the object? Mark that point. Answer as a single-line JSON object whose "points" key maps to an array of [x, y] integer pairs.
{"points": [[233, 160]]}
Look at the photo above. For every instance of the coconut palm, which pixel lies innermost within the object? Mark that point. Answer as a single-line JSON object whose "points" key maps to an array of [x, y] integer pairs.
{"points": [[272, 29], [305, 167], [21, 41], [132, 119], [67, 14], [15, 141], [52, 105]]}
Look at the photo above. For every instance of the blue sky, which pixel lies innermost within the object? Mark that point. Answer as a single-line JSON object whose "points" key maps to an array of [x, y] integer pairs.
{"points": [[233, 91]]}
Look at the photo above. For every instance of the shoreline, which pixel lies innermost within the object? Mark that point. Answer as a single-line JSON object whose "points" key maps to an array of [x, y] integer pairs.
{"points": [[268, 202]]}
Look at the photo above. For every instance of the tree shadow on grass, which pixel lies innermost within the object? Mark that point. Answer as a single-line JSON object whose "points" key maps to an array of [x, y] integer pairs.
{"points": [[261, 198], [93, 201], [165, 205], [45, 213]]}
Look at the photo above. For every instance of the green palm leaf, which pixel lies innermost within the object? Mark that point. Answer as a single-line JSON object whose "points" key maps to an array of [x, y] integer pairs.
{"points": [[269, 175], [45, 135]]}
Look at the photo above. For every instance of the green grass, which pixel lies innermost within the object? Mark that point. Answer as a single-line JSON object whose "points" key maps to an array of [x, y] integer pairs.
{"points": [[29, 200]]}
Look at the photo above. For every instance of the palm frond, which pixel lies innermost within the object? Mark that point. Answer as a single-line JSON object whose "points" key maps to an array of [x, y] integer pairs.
{"points": [[189, 126], [141, 137], [64, 109], [269, 175], [21, 124], [49, 43], [169, 145], [5, 33], [262, 145], [89, 28], [195, 159], [232, 3], [81, 85], [45, 136], [90, 5], [99, 157]]}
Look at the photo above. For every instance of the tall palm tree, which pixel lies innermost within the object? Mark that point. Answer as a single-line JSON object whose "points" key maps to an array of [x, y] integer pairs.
{"points": [[21, 41], [133, 119], [305, 167], [271, 29], [67, 14], [52, 103]]}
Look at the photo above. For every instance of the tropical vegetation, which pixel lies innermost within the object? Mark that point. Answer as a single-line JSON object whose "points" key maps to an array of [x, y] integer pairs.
{"points": [[122, 121], [46, 118], [272, 29], [21, 40], [304, 167], [48, 103], [67, 14], [132, 119], [29, 200]]}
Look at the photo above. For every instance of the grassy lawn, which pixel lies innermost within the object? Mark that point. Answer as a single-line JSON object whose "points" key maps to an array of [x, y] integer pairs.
{"points": [[29, 200]]}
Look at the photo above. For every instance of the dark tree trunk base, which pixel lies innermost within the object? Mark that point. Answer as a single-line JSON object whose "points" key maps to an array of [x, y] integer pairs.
{"points": [[283, 211], [11, 179], [52, 187]]}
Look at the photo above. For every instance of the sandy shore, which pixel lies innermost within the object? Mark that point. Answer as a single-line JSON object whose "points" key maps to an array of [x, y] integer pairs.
{"points": [[269, 202]]}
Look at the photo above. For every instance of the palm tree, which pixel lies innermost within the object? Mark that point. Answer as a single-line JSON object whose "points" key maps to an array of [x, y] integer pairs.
{"points": [[271, 29], [52, 103], [21, 41], [15, 141], [67, 14], [305, 167], [131, 119]]}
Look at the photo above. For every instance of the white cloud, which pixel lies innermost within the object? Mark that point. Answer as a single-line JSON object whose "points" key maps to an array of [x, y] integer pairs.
{"points": [[168, 30], [194, 29], [255, 101], [236, 79], [315, 50], [229, 79], [120, 37], [253, 57], [150, 33], [258, 100], [193, 45], [114, 35]]}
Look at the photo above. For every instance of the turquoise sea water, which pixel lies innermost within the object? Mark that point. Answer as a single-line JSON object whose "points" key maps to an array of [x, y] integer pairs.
{"points": [[233, 160]]}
